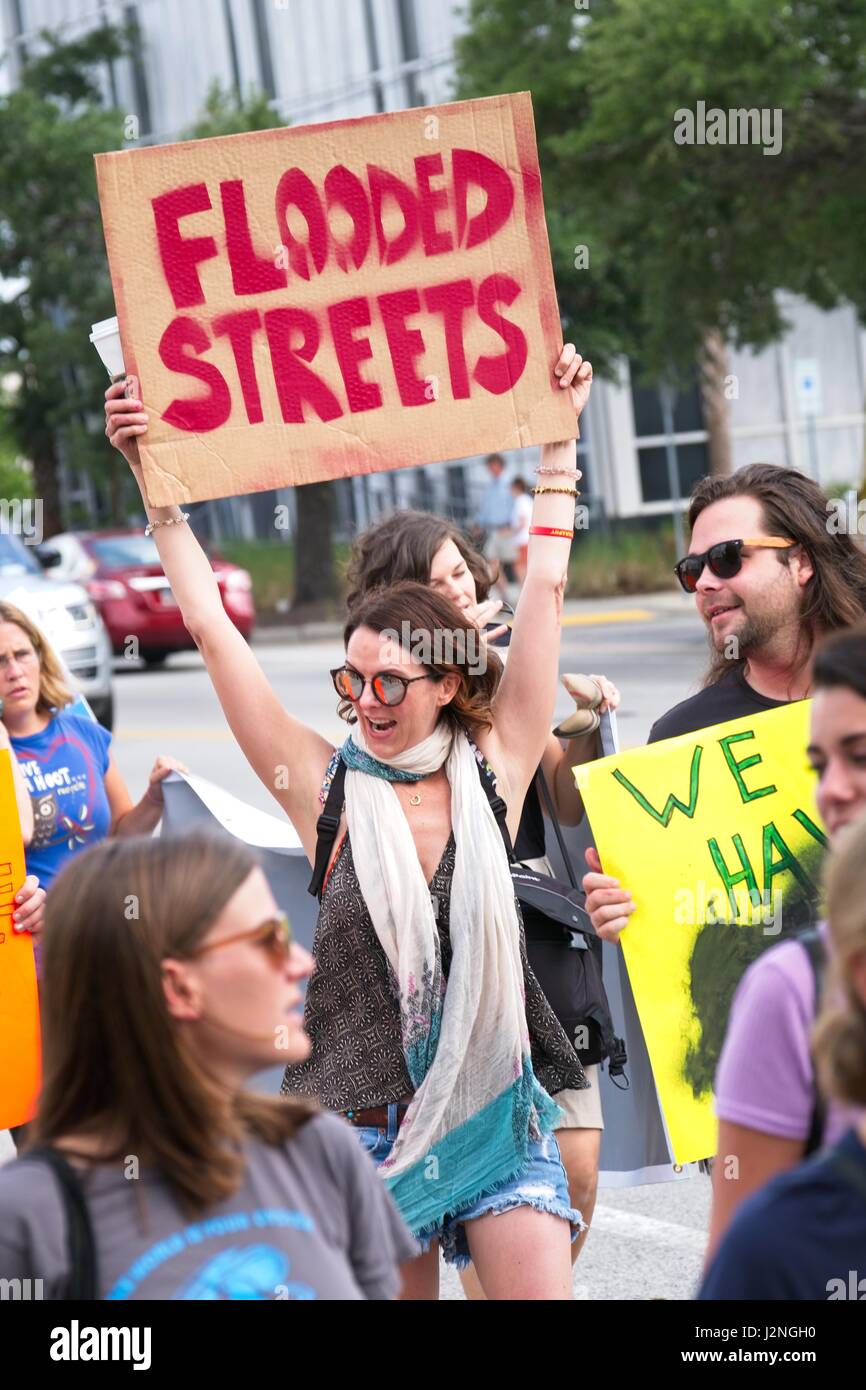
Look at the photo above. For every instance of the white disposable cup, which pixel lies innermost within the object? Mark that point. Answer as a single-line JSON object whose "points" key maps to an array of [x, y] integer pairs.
{"points": [[105, 337]]}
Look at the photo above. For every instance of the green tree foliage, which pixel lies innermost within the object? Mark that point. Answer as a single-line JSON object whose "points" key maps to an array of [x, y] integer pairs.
{"points": [[687, 239], [227, 113], [52, 253]]}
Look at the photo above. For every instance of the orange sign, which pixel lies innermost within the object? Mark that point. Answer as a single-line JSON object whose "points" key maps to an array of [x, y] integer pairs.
{"points": [[20, 1051], [310, 303]]}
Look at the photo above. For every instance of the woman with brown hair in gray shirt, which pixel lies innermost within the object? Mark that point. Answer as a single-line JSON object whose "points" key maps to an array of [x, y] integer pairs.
{"points": [[170, 979]]}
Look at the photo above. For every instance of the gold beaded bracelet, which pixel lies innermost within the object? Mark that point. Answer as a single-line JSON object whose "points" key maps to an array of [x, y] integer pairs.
{"points": [[565, 491]]}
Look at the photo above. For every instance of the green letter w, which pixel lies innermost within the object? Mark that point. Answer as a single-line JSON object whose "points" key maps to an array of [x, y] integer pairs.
{"points": [[673, 802]]}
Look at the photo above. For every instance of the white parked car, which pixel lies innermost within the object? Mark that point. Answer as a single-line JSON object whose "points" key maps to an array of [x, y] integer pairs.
{"points": [[67, 616]]}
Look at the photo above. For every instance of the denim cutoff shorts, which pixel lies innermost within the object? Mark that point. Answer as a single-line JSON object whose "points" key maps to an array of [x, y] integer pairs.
{"points": [[542, 1184]]}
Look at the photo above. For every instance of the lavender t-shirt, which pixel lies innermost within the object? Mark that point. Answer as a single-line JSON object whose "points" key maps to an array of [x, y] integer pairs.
{"points": [[765, 1078]]}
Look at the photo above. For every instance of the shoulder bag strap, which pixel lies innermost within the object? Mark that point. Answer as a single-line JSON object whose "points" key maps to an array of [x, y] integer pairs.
{"points": [[83, 1281], [810, 940], [554, 820], [498, 807], [326, 829]]}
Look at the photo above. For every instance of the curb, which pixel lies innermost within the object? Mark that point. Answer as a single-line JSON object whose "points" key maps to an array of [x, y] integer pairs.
{"points": [[589, 611], [278, 635]]}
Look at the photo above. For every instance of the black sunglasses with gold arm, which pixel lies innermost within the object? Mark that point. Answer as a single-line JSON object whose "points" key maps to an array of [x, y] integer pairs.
{"points": [[725, 559]]}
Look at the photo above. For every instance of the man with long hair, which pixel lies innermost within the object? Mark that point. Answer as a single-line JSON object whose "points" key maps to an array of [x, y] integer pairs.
{"points": [[770, 579], [765, 605]]}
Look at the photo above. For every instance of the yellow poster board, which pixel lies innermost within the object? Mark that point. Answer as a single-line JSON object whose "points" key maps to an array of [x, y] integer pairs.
{"points": [[717, 837], [20, 1052]]}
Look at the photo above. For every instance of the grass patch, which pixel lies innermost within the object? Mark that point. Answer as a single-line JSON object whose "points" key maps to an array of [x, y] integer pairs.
{"points": [[622, 562], [271, 565]]}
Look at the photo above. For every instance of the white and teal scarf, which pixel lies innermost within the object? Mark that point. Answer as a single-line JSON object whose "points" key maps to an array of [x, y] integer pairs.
{"points": [[477, 1103]]}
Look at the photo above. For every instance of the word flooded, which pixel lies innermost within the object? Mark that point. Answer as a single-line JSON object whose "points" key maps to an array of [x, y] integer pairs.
{"points": [[352, 224]]}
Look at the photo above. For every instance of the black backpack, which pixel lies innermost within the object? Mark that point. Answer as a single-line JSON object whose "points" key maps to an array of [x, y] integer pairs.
{"points": [[566, 953]]}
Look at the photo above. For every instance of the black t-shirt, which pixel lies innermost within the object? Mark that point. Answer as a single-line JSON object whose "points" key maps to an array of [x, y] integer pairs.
{"points": [[731, 697]]}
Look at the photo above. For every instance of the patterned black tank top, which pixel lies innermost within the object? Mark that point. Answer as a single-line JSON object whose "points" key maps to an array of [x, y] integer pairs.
{"points": [[352, 1012]]}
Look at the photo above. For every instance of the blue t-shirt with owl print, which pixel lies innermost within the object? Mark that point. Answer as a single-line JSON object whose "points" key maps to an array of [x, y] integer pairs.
{"points": [[64, 767]]}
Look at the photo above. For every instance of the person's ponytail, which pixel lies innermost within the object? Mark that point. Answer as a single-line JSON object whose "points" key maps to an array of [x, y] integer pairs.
{"points": [[839, 1043], [839, 1038]]}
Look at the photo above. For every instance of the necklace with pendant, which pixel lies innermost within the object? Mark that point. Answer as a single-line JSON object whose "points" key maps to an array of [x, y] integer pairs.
{"points": [[415, 799]]}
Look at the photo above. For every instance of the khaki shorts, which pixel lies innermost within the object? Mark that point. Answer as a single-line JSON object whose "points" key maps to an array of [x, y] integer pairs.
{"points": [[582, 1108], [501, 547]]}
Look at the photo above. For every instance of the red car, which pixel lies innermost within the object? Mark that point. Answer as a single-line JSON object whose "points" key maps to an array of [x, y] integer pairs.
{"points": [[122, 574]]}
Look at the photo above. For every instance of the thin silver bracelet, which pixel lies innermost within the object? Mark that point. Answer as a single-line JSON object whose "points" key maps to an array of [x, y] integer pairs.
{"points": [[169, 521]]}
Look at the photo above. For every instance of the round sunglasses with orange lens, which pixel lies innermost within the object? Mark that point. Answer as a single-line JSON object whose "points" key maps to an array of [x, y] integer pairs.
{"points": [[388, 688]]}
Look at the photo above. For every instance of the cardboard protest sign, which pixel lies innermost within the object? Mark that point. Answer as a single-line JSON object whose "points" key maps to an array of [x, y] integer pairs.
{"points": [[309, 303], [717, 837], [20, 1051]]}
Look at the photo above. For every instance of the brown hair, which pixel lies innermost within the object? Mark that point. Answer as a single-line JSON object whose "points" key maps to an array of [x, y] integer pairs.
{"points": [[54, 693], [427, 614], [403, 546], [839, 1039], [794, 506], [841, 661], [115, 1064]]}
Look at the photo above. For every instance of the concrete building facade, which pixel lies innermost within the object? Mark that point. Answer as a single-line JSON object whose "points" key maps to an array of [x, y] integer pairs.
{"points": [[326, 59]]}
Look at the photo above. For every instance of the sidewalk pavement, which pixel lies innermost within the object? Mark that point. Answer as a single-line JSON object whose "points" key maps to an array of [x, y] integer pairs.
{"points": [[623, 608]]}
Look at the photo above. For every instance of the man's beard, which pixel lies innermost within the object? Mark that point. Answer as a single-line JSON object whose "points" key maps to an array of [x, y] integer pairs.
{"points": [[754, 632]]}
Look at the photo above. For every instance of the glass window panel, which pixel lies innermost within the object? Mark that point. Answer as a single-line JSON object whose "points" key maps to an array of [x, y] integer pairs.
{"points": [[693, 463]]}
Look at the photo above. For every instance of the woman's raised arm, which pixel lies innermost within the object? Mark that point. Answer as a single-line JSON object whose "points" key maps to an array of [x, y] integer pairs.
{"points": [[288, 757], [525, 701]]}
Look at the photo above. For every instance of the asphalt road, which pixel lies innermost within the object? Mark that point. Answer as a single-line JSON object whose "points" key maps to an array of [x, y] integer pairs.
{"points": [[645, 1242]]}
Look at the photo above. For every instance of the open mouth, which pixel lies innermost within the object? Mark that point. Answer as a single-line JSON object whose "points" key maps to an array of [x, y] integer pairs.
{"points": [[381, 728]]}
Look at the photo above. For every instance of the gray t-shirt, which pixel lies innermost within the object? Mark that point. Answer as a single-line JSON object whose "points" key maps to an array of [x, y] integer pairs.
{"points": [[311, 1219]]}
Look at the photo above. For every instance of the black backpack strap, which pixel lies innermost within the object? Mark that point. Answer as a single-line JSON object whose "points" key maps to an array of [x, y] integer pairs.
{"points": [[554, 820], [498, 807], [810, 940], [329, 822], [326, 829], [83, 1280]]}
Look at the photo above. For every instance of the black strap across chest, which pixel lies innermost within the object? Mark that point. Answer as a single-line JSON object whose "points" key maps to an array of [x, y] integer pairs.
{"points": [[329, 823], [83, 1275]]}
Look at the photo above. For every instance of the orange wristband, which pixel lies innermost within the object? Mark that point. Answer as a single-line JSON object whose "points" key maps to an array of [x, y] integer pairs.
{"points": [[551, 531]]}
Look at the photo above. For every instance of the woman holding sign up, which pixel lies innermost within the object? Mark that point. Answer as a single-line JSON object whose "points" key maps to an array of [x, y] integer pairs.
{"points": [[424, 1018], [423, 547]]}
